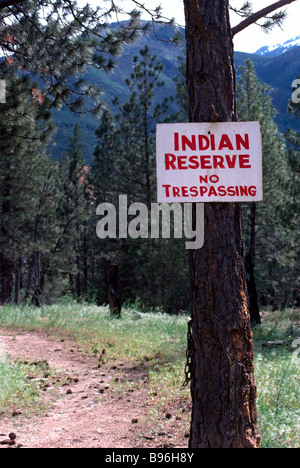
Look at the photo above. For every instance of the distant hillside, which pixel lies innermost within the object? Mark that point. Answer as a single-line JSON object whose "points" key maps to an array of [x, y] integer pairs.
{"points": [[277, 71]]}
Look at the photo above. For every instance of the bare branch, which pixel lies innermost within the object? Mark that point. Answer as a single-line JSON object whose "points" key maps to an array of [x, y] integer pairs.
{"points": [[260, 14]]}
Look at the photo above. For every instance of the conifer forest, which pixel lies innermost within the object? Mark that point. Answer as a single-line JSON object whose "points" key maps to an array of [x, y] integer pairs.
{"points": [[83, 86]]}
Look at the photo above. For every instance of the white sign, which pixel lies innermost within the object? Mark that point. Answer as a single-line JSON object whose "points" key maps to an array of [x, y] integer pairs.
{"points": [[209, 162]]}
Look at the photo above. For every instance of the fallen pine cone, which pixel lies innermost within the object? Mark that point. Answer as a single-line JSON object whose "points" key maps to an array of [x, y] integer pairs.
{"points": [[8, 442]]}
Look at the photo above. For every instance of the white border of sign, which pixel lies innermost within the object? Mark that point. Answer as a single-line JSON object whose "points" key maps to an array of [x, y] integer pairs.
{"points": [[209, 162]]}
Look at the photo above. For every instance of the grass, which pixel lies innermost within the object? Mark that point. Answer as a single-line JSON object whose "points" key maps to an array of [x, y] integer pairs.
{"points": [[277, 378], [155, 344], [20, 388]]}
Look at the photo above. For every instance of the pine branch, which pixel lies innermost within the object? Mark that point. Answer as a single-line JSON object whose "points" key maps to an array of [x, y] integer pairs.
{"points": [[8, 3], [260, 14], [244, 11]]}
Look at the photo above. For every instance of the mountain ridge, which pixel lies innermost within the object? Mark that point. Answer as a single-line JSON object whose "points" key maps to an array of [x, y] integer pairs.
{"points": [[279, 49], [277, 71]]}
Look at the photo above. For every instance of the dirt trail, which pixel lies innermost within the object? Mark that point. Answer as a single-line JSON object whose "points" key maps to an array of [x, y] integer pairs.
{"points": [[84, 416]]}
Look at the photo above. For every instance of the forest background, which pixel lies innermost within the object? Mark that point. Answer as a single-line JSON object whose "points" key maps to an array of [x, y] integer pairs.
{"points": [[66, 161]]}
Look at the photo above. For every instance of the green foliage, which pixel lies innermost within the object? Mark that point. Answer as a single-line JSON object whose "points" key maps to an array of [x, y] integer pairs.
{"points": [[277, 380], [14, 388], [73, 214], [277, 72], [293, 139], [270, 21], [27, 183], [56, 41], [273, 243], [124, 163]]}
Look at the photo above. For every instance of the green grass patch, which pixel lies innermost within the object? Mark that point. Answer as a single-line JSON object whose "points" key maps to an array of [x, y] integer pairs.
{"points": [[277, 379], [154, 344], [20, 392]]}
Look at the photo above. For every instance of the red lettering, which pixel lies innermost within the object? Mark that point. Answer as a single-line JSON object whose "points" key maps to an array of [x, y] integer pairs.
{"points": [[194, 191], [176, 141], [203, 142], [167, 189], [203, 191], [214, 179], [244, 191], [176, 192], [213, 142], [185, 192], [244, 161], [212, 191], [222, 191], [252, 191], [194, 162], [218, 162], [231, 191], [203, 180], [190, 143], [169, 161], [240, 142], [182, 162], [205, 162], [225, 143], [231, 162]]}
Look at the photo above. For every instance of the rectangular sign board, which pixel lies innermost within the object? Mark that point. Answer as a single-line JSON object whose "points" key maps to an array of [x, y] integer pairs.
{"points": [[209, 162]]}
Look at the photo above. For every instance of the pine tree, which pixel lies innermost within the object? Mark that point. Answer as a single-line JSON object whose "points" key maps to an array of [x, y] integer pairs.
{"points": [[222, 383], [136, 120], [267, 235], [74, 212], [25, 190], [102, 170], [124, 163], [293, 206], [57, 40], [181, 96]]}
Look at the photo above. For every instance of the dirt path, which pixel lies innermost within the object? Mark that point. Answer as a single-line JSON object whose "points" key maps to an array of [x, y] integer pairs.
{"points": [[87, 414]]}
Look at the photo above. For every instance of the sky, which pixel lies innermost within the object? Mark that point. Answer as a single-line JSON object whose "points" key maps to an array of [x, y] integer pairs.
{"points": [[249, 40]]}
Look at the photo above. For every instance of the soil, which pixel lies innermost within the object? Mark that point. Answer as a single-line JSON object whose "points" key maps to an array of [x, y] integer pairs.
{"points": [[84, 410]]}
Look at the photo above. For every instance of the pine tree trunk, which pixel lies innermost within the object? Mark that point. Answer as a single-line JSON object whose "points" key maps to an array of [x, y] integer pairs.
{"points": [[6, 266], [18, 269], [223, 389], [78, 277], [6, 280], [85, 265], [250, 265], [113, 290]]}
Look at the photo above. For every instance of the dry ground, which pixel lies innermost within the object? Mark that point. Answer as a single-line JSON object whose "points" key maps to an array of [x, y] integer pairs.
{"points": [[86, 410]]}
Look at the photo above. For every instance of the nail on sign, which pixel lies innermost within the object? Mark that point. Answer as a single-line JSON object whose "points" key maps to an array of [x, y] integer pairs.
{"points": [[209, 162]]}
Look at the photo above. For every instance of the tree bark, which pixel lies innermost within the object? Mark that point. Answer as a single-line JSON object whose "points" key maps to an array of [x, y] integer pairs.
{"points": [[252, 291], [18, 270], [6, 265], [222, 386], [6, 279], [114, 299]]}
